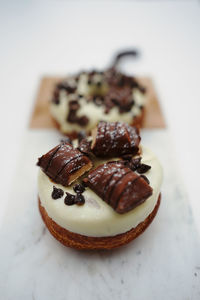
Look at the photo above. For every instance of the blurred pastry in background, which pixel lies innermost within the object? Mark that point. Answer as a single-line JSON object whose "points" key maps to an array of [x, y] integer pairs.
{"points": [[101, 191], [79, 102]]}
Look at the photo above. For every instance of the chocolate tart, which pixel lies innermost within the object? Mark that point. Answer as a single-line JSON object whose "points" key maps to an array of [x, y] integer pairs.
{"points": [[101, 191]]}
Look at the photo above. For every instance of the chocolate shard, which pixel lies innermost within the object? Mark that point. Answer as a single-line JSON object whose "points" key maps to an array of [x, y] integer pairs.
{"points": [[64, 164], [118, 186], [115, 139]]}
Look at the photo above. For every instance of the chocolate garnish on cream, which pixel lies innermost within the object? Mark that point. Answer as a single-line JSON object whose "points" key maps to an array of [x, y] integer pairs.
{"points": [[109, 199], [116, 181], [119, 186], [115, 139], [64, 164]]}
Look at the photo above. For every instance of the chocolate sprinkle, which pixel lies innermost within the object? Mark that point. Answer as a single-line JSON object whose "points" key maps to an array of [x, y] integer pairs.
{"points": [[72, 117], [57, 193], [69, 199], [79, 188], [83, 121], [79, 199], [143, 168], [74, 105]]}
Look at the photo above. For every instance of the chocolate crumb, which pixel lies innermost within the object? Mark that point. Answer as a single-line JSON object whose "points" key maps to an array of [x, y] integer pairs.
{"points": [[74, 105], [145, 178], [57, 193], [65, 86], [69, 199], [79, 199], [83, 121], [143, 168], [79, 188]]}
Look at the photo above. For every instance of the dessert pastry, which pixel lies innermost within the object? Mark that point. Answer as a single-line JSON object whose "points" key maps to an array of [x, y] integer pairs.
{"points": [[102, 191], [81, 101]]}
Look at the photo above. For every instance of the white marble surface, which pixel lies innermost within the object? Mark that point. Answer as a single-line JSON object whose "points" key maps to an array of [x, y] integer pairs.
{"points": [[163, 263]]}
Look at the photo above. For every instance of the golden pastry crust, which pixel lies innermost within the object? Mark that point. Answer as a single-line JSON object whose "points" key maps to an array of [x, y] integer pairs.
{"points": [[137, 122], [78, 241]]}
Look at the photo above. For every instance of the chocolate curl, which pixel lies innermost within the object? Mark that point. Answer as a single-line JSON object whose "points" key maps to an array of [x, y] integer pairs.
{"points": [[131, 53], [115, 139], [118, 186], [63, 164]]}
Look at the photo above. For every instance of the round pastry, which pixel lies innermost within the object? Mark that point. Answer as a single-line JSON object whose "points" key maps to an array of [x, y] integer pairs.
{"points": [[101, 192], [81, 101]]}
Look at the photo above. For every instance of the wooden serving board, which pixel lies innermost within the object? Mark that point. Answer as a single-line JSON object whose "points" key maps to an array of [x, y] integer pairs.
{"points": [[41, 117]]}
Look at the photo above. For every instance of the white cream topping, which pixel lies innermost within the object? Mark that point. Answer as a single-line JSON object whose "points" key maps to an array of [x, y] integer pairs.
{"points": [[95, 113], [96, 218]]}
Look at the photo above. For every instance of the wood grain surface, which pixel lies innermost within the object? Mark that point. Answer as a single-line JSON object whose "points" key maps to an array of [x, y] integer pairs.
{"points": [[41, 117]]}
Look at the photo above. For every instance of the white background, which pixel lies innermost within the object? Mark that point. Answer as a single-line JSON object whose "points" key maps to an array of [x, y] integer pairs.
{"points": [[57, 37]]}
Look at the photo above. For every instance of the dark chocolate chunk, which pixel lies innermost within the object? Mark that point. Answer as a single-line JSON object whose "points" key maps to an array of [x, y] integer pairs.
{"points": [[63, 164], [136, 165], [57, 193], [65, 86], [72, 114], [83, 121], [143, 168], [115, 139], [121, 97], [118, 186], [79, 188], [74, 105], [79, 199], [69, 199]]}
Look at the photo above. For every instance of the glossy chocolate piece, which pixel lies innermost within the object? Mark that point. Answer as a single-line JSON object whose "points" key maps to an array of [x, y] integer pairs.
{"points": [[118, 186], [115, 139], [57, 193], [63, 164]]}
